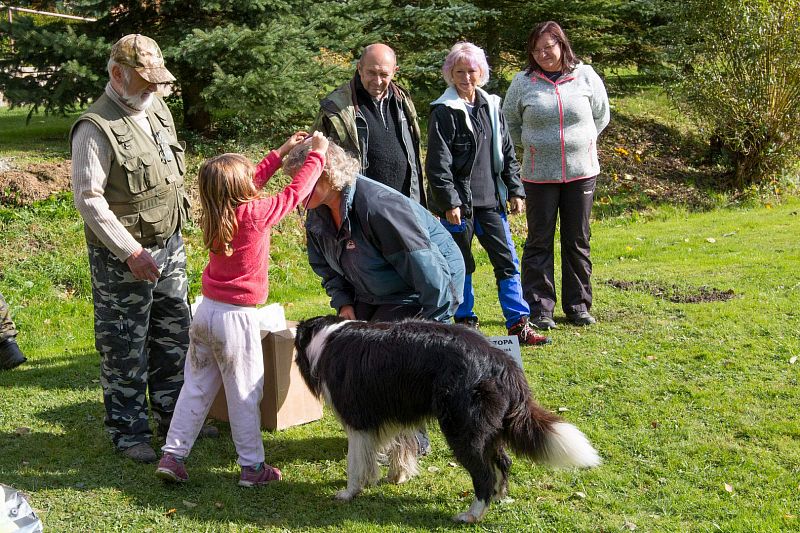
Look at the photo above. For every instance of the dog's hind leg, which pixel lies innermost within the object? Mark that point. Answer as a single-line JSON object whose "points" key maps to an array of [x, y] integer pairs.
{"points": [[476, 455], [362, 465], [402, 458], [502, 466]]}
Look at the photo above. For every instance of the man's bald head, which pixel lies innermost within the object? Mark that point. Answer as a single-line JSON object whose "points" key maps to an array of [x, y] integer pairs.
{"points": [[376, 67]]}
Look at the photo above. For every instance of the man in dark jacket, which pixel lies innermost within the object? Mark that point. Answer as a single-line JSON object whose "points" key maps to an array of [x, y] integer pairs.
{"points": [[375, 121]]}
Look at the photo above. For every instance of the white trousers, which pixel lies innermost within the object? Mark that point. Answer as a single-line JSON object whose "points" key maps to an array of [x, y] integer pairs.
{"points": [[224, 349]]}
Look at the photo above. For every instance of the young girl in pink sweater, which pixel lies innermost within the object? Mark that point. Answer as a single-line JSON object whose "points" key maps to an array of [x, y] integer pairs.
{"points": [[225, 338]]}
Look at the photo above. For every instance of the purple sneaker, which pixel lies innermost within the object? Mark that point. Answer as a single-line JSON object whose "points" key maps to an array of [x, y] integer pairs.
{"points": [[171, 469], [252, 477]]}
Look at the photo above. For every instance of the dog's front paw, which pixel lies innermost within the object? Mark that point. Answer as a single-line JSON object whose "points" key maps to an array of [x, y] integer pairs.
{"points": [[345, 495]]}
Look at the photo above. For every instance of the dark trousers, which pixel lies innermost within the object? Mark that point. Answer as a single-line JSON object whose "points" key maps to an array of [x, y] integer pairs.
{"points": [[490, 225], [142, 334], [571, 203], [7, 328], [385, 312]]}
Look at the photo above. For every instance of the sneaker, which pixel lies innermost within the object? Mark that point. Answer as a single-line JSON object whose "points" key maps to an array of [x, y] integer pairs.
{"points": [[10, 355], [582, 318], [141, 453], [259, 475], [170, 468], [543, 322], [527, 336], [469, 321]]}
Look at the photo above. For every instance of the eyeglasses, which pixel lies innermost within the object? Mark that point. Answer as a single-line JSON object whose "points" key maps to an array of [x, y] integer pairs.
{"points": [[548, 48]]}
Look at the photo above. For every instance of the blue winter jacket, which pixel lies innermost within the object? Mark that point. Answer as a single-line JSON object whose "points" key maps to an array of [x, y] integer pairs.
{"points": [[389, 250]]}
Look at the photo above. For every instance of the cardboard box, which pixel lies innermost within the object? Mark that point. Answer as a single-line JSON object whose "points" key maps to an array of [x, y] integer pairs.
{"points": [[287, 401]]}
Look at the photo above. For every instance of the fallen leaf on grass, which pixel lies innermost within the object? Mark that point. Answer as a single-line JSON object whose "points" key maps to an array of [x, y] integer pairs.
{"points": [[170, 512], [651, 358], [433, 469], [792, 359], [654, 424], [579, 495], [189, 504], [789, 516], [464, 493], [712, 240], [22, 431], [453, 464], [630, 526], [563, 409], [728, 487], [729, 234], [219, 505]]}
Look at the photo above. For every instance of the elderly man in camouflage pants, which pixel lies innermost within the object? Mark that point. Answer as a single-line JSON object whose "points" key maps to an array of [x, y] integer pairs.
{"points": [[10, 354], [127, 178]]}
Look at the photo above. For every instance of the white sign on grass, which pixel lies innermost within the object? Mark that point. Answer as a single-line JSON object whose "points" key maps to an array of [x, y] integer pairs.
{"points": [[510, 345]]}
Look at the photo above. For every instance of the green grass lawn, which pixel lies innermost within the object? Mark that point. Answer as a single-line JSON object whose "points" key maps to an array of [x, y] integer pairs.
{"points": [[693, 406]]}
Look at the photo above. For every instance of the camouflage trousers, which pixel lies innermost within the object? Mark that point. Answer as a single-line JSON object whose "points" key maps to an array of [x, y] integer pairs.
{"points": [[142, 333], [7, 328]]}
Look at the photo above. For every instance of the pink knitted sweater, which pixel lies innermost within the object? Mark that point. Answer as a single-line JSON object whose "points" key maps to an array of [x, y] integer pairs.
{"points": [[242, 278]]}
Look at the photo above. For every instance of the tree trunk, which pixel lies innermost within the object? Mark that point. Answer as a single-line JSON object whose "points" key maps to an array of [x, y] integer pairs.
{"points": [[196, 116]]}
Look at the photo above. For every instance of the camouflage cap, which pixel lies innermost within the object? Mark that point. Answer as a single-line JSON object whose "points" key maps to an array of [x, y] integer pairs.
{"points": [[142, 54]]}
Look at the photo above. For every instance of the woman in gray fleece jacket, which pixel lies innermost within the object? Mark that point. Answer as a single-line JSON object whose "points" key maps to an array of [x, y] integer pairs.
{"points": [[555, 110]]}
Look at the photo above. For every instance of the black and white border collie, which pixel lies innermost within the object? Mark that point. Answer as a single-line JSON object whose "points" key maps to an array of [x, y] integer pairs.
{"points": [[384, 380]]}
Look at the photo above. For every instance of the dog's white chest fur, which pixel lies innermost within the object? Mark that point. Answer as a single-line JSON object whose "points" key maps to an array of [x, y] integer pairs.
{"points": [[317, 344]]}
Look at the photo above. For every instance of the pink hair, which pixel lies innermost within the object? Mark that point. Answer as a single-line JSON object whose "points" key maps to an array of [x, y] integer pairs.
{"points": [[470, 54]]}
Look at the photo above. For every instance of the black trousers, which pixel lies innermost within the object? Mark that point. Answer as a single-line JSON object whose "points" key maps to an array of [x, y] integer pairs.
{"points": [[385, 312], [571, 203]]}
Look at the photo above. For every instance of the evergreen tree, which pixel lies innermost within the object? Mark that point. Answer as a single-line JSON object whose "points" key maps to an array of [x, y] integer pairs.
{"points": [[268, 59]]}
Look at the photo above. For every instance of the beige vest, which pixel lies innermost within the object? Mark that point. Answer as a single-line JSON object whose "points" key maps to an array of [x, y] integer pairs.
{"points": [[145, 183]]}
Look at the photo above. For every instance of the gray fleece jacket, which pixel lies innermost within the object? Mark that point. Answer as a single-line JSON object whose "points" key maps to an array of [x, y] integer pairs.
{"points": [[557, 123]]}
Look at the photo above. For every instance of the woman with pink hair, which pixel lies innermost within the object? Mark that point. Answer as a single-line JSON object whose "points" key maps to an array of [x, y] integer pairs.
{"points": [[473, 180]]}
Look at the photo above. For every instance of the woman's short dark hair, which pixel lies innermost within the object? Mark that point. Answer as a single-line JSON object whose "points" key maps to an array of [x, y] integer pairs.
{"points": [[568, 59]]}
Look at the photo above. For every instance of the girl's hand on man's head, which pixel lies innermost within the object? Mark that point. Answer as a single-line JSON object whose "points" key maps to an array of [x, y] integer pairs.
{"points": [[293, 140], [319, 143]]}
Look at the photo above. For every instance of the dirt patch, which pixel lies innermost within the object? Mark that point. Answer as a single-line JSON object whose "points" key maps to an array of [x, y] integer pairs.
{"points": [[644, 162], [674, 293], [23, 184]]}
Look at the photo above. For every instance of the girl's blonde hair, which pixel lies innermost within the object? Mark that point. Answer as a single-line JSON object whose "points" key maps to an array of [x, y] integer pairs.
{"points": [[340, 167], [225, 182]]}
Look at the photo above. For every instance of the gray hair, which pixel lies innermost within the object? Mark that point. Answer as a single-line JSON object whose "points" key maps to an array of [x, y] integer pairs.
{"points": [[340, 167]]}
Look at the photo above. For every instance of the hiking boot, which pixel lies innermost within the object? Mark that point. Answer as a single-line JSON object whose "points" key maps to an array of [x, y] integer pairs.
{"points": [[10, 355], [469, 321], [526, 334], [141, 453], [543, 322], [171, 468], [255, 476], [581, 318]]}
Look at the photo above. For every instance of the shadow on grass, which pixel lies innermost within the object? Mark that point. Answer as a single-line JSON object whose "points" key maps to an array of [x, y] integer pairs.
{"points": [[76, 370], [80, 459]]}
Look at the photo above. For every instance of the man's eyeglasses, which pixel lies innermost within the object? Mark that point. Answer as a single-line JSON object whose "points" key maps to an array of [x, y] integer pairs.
{"points": [[547, 48]]}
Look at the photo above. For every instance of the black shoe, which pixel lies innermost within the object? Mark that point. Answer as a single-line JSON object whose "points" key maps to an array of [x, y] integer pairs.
{"points": [[141, 453], [543, 322], [582, 318], [10, 355], [469, 321]]}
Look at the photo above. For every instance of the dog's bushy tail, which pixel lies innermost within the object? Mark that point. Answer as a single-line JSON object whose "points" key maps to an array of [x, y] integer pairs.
{"points": [[539, 434]]}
